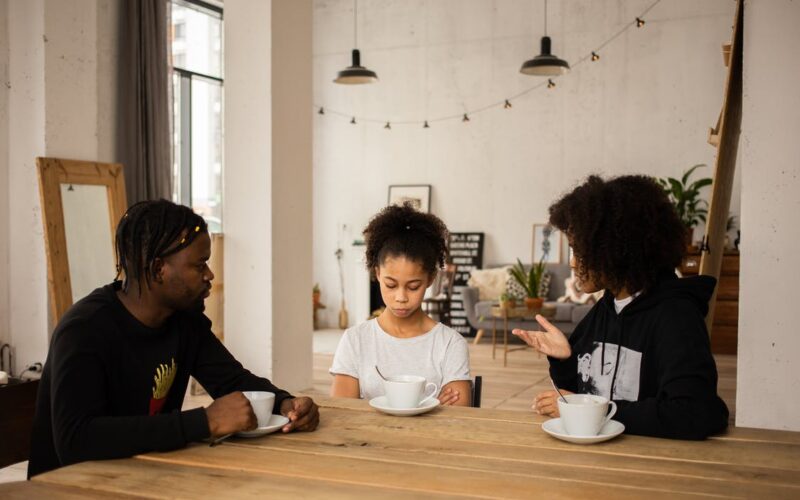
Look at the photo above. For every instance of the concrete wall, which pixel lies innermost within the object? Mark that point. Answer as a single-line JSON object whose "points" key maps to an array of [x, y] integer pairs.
{"points": [[61, 75], [768, 369], [644, 107], [267, 208]]}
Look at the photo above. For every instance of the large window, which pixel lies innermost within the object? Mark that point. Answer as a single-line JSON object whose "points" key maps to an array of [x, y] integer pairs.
{"points": [[197, 82]]}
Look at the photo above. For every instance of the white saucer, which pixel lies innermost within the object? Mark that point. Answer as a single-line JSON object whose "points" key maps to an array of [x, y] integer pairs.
{"points": [[275, 423], [555, 428], [381, 404]]}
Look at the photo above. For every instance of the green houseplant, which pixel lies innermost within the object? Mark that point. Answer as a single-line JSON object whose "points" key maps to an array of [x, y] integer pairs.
{"points": [[507, 301], [530, 281], [685, 196]]}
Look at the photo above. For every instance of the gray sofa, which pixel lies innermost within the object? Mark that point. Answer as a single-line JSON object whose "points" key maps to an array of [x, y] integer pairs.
{"points": [[567, 315]]}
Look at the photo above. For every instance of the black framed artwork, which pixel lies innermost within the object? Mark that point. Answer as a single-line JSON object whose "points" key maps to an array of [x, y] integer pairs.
{"points": [[419, 196]]}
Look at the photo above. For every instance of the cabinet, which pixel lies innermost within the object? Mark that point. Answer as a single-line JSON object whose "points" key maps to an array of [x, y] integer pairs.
{"points": [[725, 328]]}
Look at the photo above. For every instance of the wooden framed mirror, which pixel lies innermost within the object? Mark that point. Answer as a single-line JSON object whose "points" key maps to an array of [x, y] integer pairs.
{"points": [[82, 201]]}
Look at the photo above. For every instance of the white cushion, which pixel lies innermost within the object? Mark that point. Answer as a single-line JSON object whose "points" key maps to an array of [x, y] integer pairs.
{"points": [[491, 283]]}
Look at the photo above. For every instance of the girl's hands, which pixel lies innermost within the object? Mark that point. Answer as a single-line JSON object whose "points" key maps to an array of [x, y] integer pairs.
{"points": [[551, 342], [546, 403], [449, 396]]}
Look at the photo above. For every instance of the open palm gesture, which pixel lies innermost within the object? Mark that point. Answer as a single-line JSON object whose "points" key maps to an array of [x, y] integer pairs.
{"points": [[551, 342]]}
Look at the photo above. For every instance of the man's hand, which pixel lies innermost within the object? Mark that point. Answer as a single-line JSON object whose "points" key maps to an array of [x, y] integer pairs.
{"points": [[303, 414], [230, 413], [546, 403], [551, 342]]}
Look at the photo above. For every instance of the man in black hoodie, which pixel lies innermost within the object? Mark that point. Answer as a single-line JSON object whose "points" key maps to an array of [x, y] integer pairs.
{"points": [[644, 345], [120, 358]]}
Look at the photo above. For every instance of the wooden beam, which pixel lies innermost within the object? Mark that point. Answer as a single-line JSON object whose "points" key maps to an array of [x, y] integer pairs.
{"points": [[725, 166]]}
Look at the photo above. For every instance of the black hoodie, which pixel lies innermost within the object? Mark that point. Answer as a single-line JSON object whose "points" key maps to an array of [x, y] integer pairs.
{"points": [[663, 379]]}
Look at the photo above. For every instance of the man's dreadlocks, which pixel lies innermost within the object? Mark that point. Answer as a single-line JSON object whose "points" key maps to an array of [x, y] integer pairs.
{"points": [[150, 230]]}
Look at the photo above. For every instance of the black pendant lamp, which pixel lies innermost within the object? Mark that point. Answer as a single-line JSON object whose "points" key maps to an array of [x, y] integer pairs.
{"points": [[355, 73], [545, 64]]}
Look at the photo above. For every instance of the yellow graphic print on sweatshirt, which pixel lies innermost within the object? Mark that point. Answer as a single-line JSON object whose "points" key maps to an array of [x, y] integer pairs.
{"points": [[165, 375]]}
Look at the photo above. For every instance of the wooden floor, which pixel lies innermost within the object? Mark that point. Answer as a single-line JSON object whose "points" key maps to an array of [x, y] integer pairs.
{"points": [[514, 387]]}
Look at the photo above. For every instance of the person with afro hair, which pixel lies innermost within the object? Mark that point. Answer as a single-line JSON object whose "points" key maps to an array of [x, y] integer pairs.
{"points": [[644, 345], [405, 250]]}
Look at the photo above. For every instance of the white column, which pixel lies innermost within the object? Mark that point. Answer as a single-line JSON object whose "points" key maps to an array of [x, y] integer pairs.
{"points": [[27, 277], [5, 335], [53, 103], [292, 147], [247, 205], [267, 198], [769, 346]]}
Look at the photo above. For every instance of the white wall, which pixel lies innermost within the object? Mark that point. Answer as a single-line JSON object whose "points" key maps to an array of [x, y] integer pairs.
{"points": [[267, 193], [59, 104], [645, 107], [768, 368]]}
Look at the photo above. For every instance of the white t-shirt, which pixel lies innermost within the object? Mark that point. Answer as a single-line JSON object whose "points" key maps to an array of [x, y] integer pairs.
{"points": [[620, 304], [440, 355]]}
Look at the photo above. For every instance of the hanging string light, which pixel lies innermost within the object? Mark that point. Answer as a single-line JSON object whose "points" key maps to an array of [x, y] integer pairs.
{"points": [[355, 73], [594, 55]]}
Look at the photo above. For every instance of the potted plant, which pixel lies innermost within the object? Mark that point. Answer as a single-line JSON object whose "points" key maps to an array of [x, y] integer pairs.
{"points": [[507, 301], [531, 282], [315, 294], [686, 197]]}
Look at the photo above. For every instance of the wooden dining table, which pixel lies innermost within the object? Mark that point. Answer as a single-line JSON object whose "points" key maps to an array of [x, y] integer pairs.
{"points": [[448, 452]]}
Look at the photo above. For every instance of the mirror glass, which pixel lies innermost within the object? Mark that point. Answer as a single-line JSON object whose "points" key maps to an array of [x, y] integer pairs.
{"points": [[90, 249]]}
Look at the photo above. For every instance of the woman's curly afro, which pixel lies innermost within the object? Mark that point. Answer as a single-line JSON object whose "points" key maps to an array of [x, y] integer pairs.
{"points": [[402, 231], [624, 231]]}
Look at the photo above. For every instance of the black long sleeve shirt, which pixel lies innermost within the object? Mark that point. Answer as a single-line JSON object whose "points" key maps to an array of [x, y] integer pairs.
{"points": [[653, 359], [113, 387]]}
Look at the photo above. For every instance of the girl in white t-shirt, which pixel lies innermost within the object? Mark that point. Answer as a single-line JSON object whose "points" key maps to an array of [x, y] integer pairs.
{"points": [[405, 248]]}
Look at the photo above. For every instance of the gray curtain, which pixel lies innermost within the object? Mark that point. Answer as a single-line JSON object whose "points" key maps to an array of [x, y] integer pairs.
{"points": [[143, 139]]}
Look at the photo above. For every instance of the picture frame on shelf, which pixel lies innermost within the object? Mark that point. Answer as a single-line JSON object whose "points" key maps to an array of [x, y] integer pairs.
{"points": [[419, 195], [548, 243]]}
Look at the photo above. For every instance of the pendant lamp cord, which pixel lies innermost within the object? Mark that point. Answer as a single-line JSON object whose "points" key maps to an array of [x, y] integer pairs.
{"points": [[545, 17], [355, 24]]}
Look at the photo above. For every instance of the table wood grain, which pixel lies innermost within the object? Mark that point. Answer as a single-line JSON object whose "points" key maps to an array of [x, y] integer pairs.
{"points": [[449, 452]]}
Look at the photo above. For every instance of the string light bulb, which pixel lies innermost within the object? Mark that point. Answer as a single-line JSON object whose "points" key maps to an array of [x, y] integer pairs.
{"points": [[353, 120], [550, 83], [321, 110], [507, 104], [639, 22], [425, 125], [388, 126], [465, 119], [595, 56]]}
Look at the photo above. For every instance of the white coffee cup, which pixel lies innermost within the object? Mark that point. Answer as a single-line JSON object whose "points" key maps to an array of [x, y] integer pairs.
{"points": [[406, 391], [585, 414], [262, 403]]}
